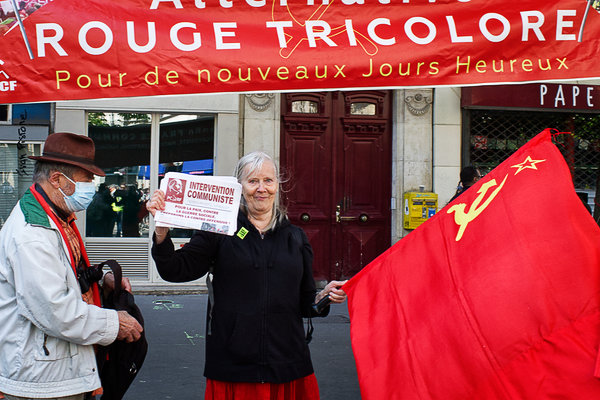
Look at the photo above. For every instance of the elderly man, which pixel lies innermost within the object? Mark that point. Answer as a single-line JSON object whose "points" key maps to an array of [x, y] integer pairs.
{"points": [[47, 325]]}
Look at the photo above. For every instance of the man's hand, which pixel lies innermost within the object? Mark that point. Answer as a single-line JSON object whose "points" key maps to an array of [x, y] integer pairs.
{"points": [[109, 282], [130, 329]]}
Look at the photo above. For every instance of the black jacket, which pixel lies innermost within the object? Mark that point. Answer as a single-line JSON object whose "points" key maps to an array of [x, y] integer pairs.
{"points": [[262, 289]]}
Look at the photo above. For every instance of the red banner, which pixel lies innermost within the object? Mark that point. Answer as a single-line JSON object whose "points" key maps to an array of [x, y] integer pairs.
{"points": [[95, 48], [495, 297]]}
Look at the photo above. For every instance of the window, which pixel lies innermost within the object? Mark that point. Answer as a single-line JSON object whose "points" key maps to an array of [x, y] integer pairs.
{"points": [[16, 172], [363, 109], [305, 107], [123, 148], [493, 135], [5, 114], [186, 146]]}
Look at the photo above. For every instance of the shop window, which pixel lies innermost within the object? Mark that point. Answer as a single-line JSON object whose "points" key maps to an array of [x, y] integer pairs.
{"points": [[31, 114], [493, 135], [4, 114], [186, 146], [16, 172], [123, 148]]}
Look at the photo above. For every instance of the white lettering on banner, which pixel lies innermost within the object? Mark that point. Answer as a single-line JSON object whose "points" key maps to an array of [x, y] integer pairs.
{"points": [[561, 24], [322, 32], [561, 96], [454, 34], [174, 35], [418, 40], [43, 40], [8, 86], [317, 32], [527, 26], [220, 34], [282, 3], [279, 25], [131, 38], [371, 30], [488, 35], [108, 38], [534, 26], [176, 3]]}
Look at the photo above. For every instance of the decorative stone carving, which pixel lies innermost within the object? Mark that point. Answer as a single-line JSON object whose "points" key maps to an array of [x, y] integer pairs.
{"points": [[260, 101], [418, 104]]}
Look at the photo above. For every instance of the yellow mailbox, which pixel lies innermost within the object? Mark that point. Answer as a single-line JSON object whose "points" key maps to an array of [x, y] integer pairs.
{"points": [[418, 208]]}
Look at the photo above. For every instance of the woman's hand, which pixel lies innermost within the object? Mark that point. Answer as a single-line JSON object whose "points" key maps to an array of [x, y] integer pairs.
{"points": [[334, 291], [157, 203]]}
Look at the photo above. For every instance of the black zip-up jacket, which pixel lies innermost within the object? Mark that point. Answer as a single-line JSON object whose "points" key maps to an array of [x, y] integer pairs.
{"points": [[263, 287]]}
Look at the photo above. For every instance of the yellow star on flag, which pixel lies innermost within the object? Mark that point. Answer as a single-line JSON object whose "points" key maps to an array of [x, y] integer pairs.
{"points": [[528, 163]]}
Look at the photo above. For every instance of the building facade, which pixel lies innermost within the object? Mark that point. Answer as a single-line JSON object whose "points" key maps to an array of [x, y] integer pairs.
{"points": [[347, 157]]}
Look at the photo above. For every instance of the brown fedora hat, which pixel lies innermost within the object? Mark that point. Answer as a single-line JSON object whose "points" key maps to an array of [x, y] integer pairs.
{"points": [[70, 148]]}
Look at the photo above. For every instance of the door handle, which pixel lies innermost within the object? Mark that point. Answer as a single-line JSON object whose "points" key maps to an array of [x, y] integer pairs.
{"points": [[339, 218]]}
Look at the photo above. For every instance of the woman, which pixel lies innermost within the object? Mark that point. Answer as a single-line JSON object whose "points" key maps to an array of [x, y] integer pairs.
{"points": [[263, 287]]}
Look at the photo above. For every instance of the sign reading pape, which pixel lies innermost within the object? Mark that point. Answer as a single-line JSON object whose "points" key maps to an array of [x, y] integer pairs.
{"points": [[208, 203], [73, 50]]}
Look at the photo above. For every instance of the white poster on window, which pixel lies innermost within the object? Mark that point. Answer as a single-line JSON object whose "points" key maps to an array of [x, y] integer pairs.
{"points": [[208, 203]]}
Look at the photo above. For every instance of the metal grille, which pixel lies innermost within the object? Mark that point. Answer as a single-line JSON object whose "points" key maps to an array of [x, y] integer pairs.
{"points": [[132, 255], [495, 134]]}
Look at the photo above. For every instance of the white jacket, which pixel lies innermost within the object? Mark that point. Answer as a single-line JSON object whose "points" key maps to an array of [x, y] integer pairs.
{"points": [[46, 329]]}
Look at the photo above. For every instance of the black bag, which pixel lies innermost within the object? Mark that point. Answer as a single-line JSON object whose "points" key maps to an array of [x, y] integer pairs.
{"points": [[119, 362]]}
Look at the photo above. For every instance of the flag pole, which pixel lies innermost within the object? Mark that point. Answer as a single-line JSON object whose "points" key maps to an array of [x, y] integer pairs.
{"points": [[20, 22], [587, 8]]}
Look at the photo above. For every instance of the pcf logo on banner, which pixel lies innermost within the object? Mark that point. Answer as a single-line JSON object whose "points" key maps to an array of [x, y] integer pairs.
{"points": [[6, 85]]}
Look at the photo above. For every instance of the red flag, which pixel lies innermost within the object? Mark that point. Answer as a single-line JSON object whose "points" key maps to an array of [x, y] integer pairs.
{"points": [[496, 297]]}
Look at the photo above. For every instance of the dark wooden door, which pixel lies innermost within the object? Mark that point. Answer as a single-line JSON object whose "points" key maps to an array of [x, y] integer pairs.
{"points": [[336, 156]]}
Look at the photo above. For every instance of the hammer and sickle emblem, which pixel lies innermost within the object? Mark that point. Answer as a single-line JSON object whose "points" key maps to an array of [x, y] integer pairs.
{"points": [[463, 218]]}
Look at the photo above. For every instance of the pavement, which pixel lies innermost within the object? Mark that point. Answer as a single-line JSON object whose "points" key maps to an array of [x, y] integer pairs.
{"points": [[175, 332]]}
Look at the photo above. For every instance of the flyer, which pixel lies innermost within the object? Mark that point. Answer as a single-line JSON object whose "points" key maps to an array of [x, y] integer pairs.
{"points": [[208, 203]]}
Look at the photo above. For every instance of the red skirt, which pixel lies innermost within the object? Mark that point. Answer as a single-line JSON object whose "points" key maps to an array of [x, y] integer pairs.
{"points": [[301, 389]]}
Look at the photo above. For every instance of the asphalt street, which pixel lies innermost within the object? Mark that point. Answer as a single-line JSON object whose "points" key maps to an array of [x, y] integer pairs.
{"points": [[175, 331]]}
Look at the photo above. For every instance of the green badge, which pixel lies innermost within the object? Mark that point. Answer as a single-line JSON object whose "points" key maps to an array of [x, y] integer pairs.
{"points": [[242, 233]]}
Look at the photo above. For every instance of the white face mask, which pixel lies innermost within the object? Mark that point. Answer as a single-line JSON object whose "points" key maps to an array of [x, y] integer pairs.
{"points": [[81, 197]]}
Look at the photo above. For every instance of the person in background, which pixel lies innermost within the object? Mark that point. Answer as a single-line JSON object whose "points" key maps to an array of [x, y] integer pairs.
{"points": [[468, 177], [131, 208], [583, 196], [48, 323], [117, 206], [263, 286], [100, 216]]}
